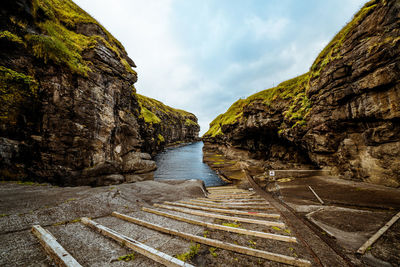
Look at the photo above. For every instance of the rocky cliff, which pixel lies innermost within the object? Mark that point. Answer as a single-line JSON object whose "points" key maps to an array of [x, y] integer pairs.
{"points": [[69, 113], [343, 115], [165, 125]]}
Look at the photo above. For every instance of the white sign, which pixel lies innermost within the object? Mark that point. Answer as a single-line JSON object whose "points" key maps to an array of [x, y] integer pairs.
{"points": [[271, 173]]}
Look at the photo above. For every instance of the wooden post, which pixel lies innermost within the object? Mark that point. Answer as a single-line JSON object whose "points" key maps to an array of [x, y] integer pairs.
{"points": [[378, 234], [219, 244], [315, 194], [53, 248], [141, 248]]}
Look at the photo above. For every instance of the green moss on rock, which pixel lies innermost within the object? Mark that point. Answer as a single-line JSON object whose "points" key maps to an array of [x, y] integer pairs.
{"points": [[292, 91], [332, 50], [189, 122], [158, 106], [6, 35], [16, 89], [60, 43], [149, 117], [161, 138]]}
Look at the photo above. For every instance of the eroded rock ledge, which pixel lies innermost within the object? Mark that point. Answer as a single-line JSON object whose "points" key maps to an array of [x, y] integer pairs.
{"points": [[343, 115], [69, 113]]}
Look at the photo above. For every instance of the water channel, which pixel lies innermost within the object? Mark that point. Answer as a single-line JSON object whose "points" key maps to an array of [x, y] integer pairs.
{"points": [[184, 163]]}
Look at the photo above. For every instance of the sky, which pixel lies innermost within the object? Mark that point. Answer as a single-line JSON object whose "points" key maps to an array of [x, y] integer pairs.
{"points": [[203, 55]]}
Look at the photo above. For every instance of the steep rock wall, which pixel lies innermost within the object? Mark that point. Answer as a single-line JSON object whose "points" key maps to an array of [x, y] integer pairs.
{"points": [[343, 115], [69, 113], [165, 125]]}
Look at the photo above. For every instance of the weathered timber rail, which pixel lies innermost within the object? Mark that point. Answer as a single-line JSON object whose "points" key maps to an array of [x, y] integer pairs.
{"points": [[227, 211]]}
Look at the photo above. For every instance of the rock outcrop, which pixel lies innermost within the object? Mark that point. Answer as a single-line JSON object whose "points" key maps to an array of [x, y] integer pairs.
{"points": [[165, 125], [69, 113], [343, 115]]}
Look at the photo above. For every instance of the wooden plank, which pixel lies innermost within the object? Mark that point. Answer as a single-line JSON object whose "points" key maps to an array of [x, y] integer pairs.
{"points": [[229, 203], [224, 193], [231, 211], [220, 216], [219, 244], [227, 190], [222, 187], [378, 234], [228, 206], [233, 197], [222, 227], [236, 200], [315, 194], [136, 246], [230, 194], [53, 248]]}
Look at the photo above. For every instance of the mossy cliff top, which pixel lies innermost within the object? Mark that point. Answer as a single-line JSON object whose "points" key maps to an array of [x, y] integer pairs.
{"points": [[292, 94], [54, 31], [166, 125], [37, 34], [153, 111], [332, 50]]}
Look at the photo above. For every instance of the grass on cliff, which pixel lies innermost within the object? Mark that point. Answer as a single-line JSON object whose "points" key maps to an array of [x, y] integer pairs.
{"points": [[16, 90], [150, 105], [161, 139], [6, 35], [149, 117], [59, 42], [292, 91], [332, 50]]}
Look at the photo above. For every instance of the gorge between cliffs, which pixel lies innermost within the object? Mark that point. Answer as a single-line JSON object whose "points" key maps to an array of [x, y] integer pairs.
{"points": [[306, 173]]}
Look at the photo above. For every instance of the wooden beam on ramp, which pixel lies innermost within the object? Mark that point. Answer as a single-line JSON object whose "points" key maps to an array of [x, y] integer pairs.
{"points": [[222, 227], [53, 248], [136, 246], [219, 244], [220, 216], [230, 211]]}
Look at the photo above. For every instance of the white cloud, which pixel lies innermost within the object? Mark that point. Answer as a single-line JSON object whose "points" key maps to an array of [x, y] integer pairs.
{"points": [[206, 74], [271, 28], [144, 29]]}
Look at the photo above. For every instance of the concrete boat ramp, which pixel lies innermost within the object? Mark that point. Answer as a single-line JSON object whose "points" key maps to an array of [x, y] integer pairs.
{"points": [[186, 225]]}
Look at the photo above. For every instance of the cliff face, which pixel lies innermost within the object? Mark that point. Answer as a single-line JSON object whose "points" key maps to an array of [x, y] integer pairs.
{"points": [[165, 125], [343, 115], [69, 113]]}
